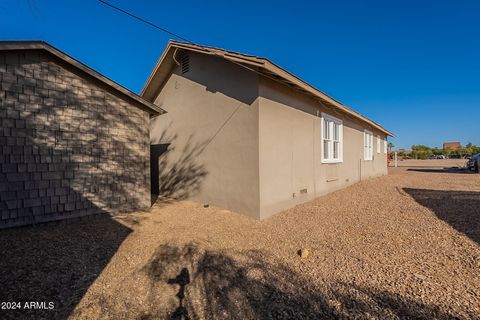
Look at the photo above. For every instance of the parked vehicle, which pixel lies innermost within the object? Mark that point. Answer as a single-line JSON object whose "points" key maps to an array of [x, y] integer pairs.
{"points": [[474, 163]]}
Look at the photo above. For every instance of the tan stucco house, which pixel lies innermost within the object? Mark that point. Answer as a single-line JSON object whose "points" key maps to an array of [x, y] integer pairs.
{"points": [[244, 134]]}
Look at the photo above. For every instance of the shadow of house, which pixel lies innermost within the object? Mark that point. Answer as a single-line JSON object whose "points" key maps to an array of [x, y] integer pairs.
{"points": [[71, 146], [55, 263], [460, 209], [250, 285], [442, 170], [363, 302]]}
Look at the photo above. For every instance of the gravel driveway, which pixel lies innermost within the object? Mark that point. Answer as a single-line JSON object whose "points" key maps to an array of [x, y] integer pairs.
{"points": [[402, 246]]}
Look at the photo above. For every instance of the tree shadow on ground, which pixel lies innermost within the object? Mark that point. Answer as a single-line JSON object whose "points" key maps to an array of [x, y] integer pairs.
{"points": [[250, 285], [55, 262], [460, 209]]}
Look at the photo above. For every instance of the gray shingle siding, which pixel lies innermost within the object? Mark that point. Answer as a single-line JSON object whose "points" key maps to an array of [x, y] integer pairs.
{"points": [[68, 146]]}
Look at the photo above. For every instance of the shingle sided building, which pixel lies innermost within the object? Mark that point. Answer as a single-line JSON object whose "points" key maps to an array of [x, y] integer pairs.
{"points": [[72, 142], [239, 132]]}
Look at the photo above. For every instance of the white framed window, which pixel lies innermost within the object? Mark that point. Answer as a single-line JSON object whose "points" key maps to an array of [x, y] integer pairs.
{"points": [[385, 146], [332, 139], [378, 144], [368, 145]]}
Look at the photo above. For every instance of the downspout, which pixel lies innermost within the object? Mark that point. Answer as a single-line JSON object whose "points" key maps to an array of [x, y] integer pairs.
{"points": [[360, 169], [313, 152]]}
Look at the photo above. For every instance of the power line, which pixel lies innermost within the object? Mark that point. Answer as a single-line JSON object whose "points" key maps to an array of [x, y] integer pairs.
{"points": [[145, 21], [186, 40], [169, 32]]}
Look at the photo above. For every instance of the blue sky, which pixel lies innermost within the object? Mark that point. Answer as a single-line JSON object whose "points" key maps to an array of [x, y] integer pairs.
{"points": [[412, 66]]}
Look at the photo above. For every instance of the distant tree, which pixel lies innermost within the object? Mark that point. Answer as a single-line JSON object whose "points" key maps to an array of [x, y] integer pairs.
{"points": [[420, 147], [469, 149], [390, 146], [421, 151], [404, 155], [461, 152]]}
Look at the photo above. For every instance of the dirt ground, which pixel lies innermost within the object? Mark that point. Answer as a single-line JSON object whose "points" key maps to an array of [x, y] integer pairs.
{"points": [[405, 246]]}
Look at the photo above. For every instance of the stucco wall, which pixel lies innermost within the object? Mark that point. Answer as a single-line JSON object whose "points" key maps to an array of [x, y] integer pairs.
{"points": [[206, 145], [290, 150], [246, 143], [69, 147]]}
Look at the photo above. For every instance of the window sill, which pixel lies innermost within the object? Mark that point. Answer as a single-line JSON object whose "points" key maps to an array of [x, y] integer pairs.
{"points": [[332, 161]]}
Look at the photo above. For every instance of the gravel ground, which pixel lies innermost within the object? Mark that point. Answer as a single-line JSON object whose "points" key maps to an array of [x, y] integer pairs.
{"points": [[405, 246]]}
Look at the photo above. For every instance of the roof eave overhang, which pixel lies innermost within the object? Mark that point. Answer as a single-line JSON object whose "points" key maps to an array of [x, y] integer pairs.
{"points": [[263, 65], [305, 87], [155, 79]]}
